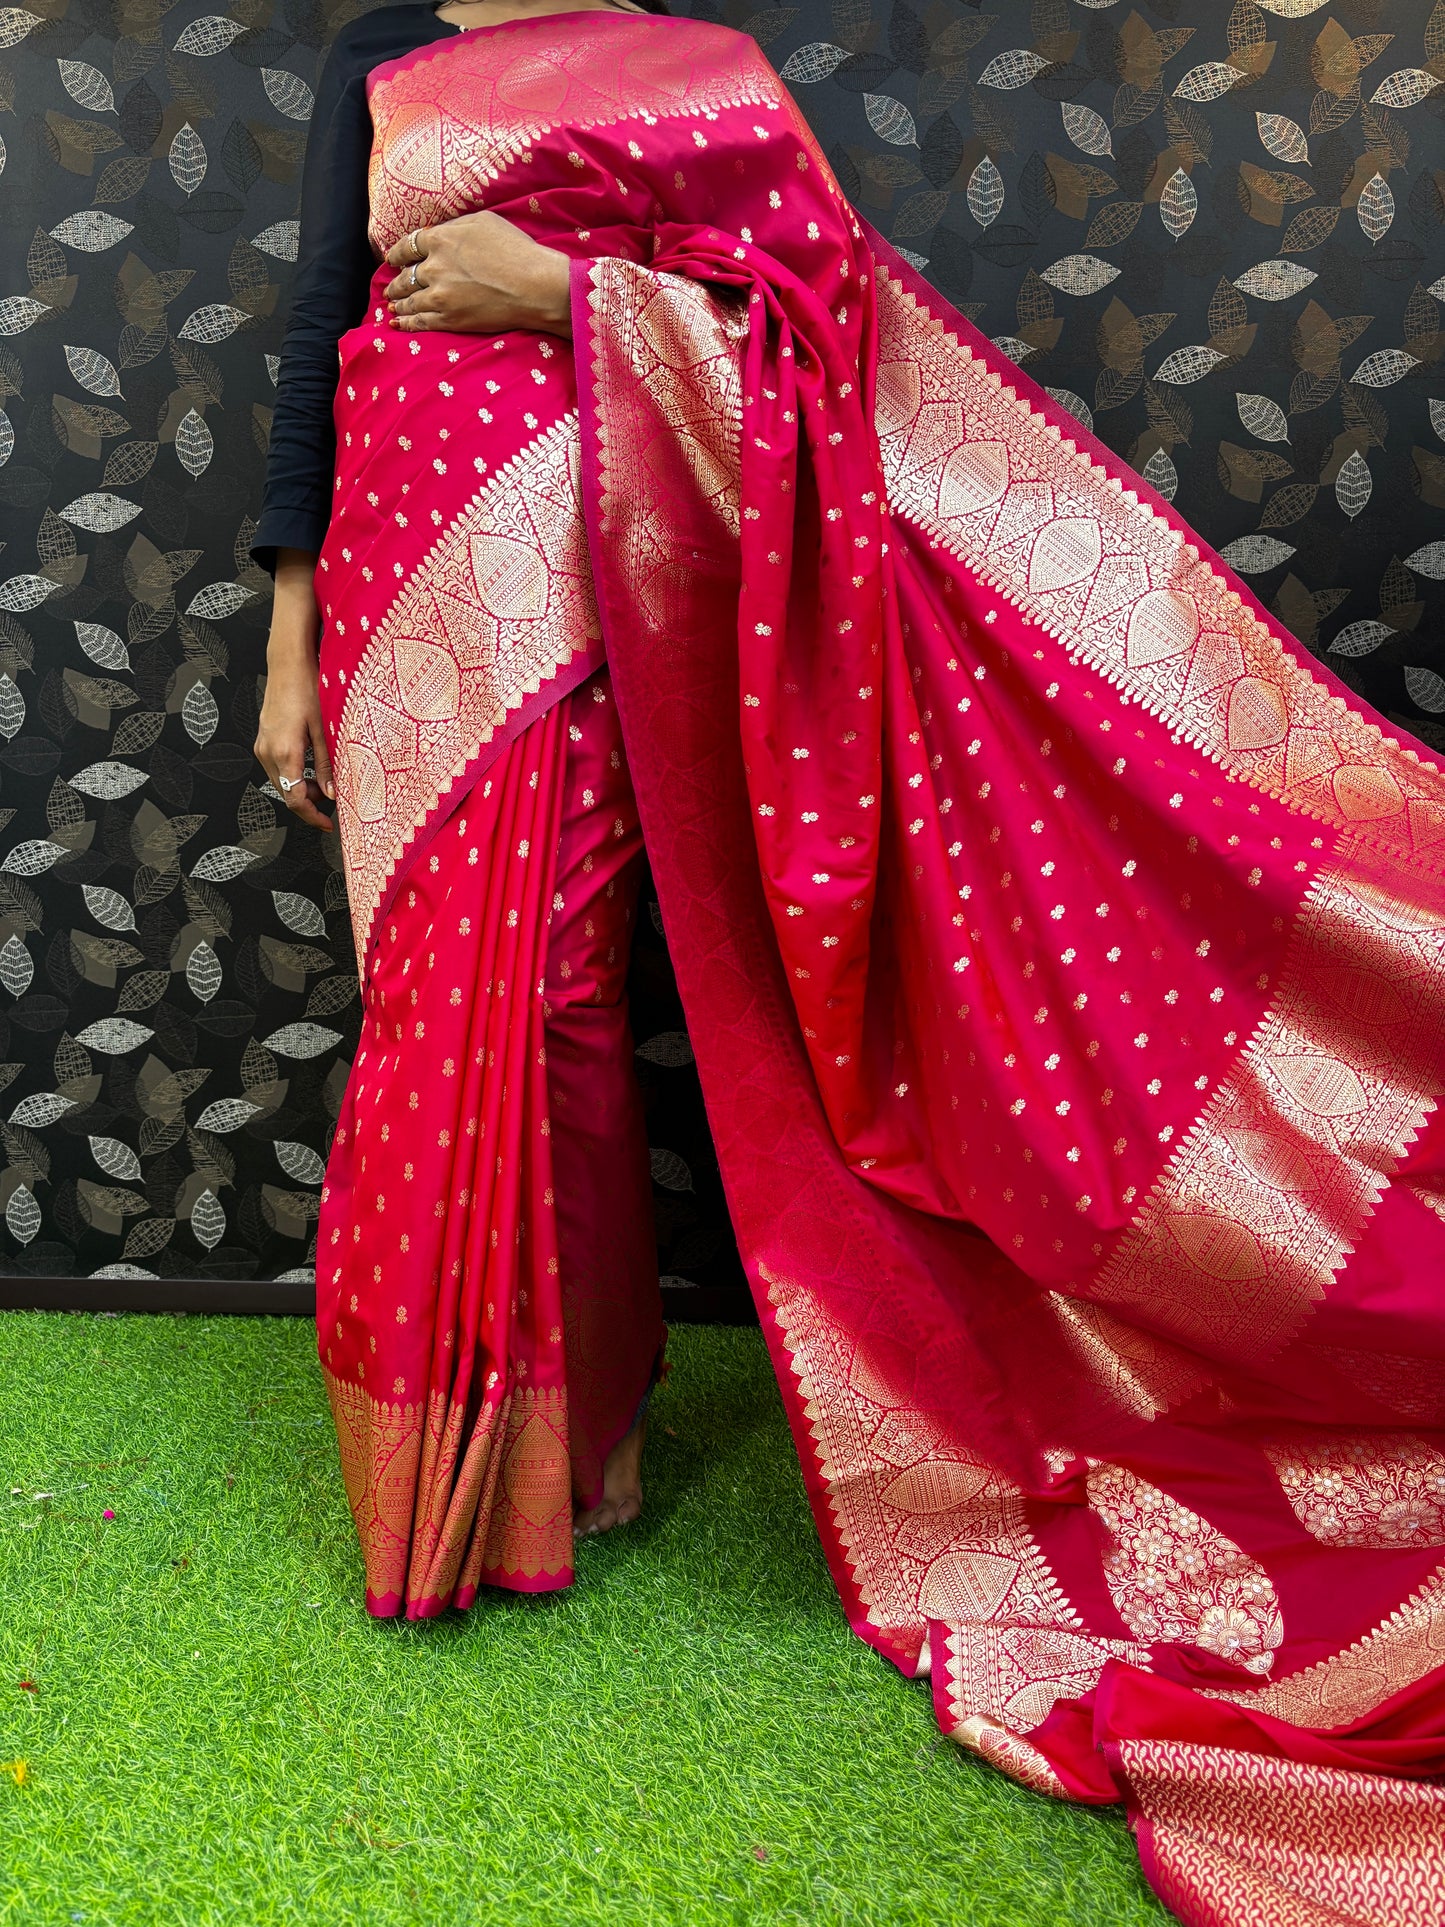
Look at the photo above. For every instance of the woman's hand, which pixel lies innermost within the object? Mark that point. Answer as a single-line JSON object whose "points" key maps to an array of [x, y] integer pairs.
{"points": [[290, 740], [479, 275]]}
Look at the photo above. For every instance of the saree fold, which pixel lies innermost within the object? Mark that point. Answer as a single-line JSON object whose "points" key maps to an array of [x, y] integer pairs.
{"points": [[1063, 954]]}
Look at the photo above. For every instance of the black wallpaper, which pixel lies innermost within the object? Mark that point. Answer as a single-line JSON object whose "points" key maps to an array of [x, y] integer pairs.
{"points": [[1216, 231]]}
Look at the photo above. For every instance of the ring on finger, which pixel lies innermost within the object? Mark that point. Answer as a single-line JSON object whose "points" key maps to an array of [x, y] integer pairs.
{"points": [[413, 275], [289, 783], [415, 239]]}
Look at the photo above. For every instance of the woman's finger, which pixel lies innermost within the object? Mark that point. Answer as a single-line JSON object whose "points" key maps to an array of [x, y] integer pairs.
{"points": [[411, 247], [321, 761]]}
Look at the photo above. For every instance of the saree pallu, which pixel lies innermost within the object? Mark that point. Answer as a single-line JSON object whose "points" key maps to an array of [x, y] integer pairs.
{"points": [[1063, 955]]}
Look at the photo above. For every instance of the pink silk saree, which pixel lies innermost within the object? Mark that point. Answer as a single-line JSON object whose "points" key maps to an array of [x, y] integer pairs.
{"points": [[1063, 954]]}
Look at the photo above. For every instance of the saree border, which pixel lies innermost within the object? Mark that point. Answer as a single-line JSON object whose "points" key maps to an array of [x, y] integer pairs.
{"points": [[484, 148], [496, 623], [1139, 604]]}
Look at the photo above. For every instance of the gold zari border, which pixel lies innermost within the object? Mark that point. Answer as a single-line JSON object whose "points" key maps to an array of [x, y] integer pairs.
{"points": [[501, 603], [971, 464]]}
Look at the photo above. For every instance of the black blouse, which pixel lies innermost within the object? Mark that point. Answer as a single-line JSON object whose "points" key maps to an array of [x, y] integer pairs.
{"points": [[334, 266]]}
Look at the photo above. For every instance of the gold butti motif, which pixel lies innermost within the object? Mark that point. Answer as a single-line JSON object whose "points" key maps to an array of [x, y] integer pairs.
{"points": [[1363, 1489], [444, 130], [1175, 1577], [1046, 527], [500, 605]]}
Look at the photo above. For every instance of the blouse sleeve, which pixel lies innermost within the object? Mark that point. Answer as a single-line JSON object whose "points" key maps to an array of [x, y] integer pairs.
{"points": [[334, 267]]}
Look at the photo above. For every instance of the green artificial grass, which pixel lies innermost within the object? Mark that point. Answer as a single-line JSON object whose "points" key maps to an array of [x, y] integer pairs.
{"points": [[218, 1734]]}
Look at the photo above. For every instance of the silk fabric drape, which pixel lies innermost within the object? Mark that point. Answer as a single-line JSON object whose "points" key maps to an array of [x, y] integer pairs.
{"points": [[1063, 953]]}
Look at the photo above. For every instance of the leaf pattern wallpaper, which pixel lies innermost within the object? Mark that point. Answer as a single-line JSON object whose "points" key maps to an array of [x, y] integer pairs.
{"points": [[1214, 229]]}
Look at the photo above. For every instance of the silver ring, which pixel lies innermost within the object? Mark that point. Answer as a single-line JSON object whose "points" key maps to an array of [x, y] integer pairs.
{"points": [[289, 783], [413, 274]]}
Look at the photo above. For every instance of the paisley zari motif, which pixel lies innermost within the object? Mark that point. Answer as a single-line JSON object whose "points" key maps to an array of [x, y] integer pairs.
{"points": [[1063, 953]]}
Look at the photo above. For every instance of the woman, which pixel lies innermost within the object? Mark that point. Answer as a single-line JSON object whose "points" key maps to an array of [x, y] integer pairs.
{"points": [[1064, 959]]}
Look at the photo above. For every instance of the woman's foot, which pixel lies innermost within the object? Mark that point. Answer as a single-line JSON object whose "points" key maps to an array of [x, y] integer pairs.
{"points": [[621, 1500]]}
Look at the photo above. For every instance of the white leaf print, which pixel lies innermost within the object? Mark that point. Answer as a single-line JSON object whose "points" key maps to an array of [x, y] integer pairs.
{"points": [[87, 85], [208, 1220], [7, 438], [32, 858], [215, 322], [19, 312], [227, 860], [1353, 484], [108, 906], [12, 708], [92, 230], [23, 592], [1016, 349], [299, 1161], [1161, 474], [200, 714], [299, 913], [814, 62], [187, 159], [1384, 368], [1087, 130], [1292, 9], [1361, 639], [22, 1213], [985, 192], [1188, 364], [1428, 561], [117, 1160], [115, 1036], [281, 240], [211, 34], [1407, 88], [95, 373], [1262, 417], [15, 23], [3, 157], [227, 1114], [288, 93], [273, 368], [670, 1172], [100, 513], [1178, 204], [194, 446], [298, 1275], [669, 1048], [107, 781], [890, 120], [674, 1280], [1437, 418], [301, 1040], [1015, 68], [1208, 81], [1275, 280], [1376, 208], [1427, 690], [41, 1109], [1254, 554], [1074, 405], [1079, 274], [219, 599], [17, 967], [1284, 138], [102, 645], [919, 261], [203, 972]]}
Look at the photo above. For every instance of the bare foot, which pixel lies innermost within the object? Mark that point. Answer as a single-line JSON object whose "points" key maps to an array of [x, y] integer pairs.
{"points": [[621, 1501]]}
